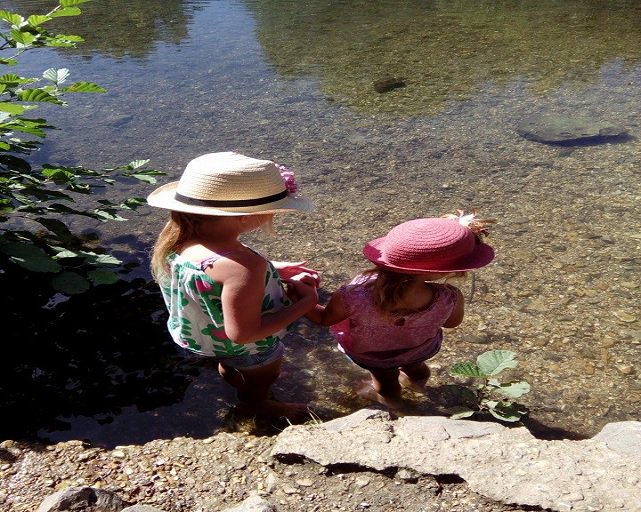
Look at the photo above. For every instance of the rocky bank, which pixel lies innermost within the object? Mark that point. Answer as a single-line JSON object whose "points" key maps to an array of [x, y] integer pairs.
{"points": [[364, 461]]}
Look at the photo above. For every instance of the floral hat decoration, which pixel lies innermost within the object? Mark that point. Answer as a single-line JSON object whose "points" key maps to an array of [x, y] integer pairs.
{"points": [[451, 243], [229, 183]]}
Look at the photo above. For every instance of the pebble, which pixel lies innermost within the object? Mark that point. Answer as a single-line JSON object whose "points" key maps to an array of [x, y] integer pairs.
{"points": [[625, 316], [625, 369]]}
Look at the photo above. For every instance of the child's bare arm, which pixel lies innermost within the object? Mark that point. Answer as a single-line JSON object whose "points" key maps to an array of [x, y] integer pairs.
{"points": [[243, 282], [330, 314], [456, 317]]}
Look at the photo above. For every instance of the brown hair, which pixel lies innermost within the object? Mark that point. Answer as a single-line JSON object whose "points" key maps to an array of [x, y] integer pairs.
{"points": [[180, 228], [389, 288]]}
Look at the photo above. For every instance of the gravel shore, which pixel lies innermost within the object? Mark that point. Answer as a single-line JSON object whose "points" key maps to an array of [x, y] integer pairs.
{"points": [[217, 473]]}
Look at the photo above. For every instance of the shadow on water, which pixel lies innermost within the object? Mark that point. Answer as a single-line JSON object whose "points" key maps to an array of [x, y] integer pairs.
{"points": [[101, 368]]}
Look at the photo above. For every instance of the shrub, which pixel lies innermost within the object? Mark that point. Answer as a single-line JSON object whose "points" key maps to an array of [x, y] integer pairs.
{"points": [[35, 201]]}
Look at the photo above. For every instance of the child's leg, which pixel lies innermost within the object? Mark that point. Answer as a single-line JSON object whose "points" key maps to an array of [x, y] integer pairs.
{"points": [[253, 387], [383, 388], [414, 376], [385, 382]]}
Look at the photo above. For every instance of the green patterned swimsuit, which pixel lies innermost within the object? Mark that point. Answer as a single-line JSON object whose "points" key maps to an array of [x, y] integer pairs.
{"points": [[196, 311]]}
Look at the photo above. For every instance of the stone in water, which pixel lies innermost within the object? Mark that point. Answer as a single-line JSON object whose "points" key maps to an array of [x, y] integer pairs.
{"points": [[569, 130]]}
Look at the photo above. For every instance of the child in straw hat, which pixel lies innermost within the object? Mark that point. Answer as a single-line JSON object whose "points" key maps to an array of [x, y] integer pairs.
{"points": [[389, 319], [226, 301]]}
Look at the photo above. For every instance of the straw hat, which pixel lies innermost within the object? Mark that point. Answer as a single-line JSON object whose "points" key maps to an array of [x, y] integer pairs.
{"points": [[429, 245], [231, 184]]}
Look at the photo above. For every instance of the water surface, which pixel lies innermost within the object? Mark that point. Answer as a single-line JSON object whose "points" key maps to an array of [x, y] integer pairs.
{"points": [[293, 82]]}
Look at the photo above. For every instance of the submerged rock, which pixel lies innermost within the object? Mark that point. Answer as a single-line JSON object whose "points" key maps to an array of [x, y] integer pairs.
{"points": [[570, 130], [388, 84]]}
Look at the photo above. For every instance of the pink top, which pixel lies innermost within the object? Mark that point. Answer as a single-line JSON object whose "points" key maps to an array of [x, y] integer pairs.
{"points": [[390, 342]]}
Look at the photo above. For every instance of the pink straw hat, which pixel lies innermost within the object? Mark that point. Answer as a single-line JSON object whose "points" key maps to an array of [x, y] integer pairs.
{"points": [[429, 245]]}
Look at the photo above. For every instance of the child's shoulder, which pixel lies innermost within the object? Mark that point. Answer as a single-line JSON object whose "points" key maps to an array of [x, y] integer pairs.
{"points": [[448, 291], [235, 263]]}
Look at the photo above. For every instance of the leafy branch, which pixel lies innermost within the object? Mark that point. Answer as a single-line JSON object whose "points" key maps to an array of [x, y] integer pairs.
{"points": [[487, 394], [35, 202]]}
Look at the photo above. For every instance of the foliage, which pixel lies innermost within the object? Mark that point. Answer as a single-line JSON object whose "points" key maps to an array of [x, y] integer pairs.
{"points": [[35, 202], [488, 395]]}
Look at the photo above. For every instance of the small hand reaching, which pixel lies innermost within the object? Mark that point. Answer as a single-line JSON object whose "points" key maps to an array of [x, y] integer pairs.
{"points": [[288, 269], [302, 286]]}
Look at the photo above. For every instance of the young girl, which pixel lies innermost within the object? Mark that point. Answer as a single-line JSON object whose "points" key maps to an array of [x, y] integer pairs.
{"points": [[389, 319], [226, 301]]}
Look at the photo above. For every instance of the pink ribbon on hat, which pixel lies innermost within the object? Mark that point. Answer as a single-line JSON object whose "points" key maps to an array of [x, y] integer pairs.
{"points": [[290, 180]]}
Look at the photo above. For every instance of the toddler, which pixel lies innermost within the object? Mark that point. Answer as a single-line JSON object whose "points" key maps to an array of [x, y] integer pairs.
{"points": [[389, 320]]}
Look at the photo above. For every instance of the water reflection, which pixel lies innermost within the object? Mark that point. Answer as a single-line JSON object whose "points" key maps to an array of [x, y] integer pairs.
{"points": [[116, 29], [443, 50]]}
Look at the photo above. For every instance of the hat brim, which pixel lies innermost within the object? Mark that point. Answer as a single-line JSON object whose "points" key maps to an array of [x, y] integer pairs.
{"points": [[481, 256], [165, 197]]}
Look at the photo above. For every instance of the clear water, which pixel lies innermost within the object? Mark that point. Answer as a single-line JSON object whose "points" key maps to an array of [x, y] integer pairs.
{"points": [[293, 81]]}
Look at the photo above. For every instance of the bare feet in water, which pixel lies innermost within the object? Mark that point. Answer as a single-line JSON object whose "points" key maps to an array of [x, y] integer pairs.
{"points": [[272, 408], [413, 385], [366, 390], [418, 384]]}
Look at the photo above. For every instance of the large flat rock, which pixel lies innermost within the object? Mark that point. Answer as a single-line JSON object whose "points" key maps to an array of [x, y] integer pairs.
{"points": [[508, 465], [570, 130]]}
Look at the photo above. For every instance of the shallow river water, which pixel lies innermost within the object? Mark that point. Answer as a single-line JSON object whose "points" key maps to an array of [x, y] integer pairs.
{"points": [[293, 82]]}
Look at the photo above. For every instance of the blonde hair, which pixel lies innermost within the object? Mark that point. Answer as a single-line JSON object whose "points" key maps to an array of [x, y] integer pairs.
{"points": [[180, 228], [390, 288]]}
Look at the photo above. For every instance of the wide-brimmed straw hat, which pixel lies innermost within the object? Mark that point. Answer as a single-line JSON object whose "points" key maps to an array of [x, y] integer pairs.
{"points": [[231, 184], [429, 245]]}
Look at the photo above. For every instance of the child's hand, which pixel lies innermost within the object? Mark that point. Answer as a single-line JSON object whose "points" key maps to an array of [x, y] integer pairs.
{"points": [[288, 269], [302, 286]]}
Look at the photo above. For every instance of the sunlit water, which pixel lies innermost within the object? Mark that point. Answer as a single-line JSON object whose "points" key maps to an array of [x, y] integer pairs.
{"points": [[293, 82]]}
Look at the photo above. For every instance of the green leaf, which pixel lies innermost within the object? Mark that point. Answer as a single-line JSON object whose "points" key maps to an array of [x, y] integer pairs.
{"points": [[508, 412], [38, 95], [64, 41], [12, 108], [107, 259], [466, 370], [70, 283], [103, 277], [59, 176], [71, 3], [38, 19], [22, 38], [66, 11], [134, 202], [495, 361], [99, 259], [106, 215], [144, 178], [8, 61], [30, 257], [135, 164], [514, 389], [32, 127], [57, 76], [458, 412], [11, 79], [11, 18], [65, 253], [84, 87]]}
